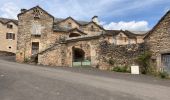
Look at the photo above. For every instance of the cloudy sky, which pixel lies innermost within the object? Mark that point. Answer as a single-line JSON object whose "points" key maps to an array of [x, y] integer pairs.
{"points": [[138, 15]]}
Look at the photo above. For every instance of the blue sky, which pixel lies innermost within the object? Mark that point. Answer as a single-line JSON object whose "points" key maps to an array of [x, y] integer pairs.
{"points": [[113, 14]]}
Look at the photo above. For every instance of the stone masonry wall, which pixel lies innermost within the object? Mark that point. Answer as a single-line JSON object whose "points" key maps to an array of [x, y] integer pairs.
{"points": [[27, 26], [54, 56], [122, 55], [158, 41]]}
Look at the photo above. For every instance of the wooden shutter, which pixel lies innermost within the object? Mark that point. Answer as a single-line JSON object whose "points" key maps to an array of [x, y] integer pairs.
{"points": [[6, 35], [13, 36]]}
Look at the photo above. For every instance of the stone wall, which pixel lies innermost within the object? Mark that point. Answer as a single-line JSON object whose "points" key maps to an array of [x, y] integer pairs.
{"points": [[55, 56], [158, 39], [61, 54], [28, 25], [121, 55]]}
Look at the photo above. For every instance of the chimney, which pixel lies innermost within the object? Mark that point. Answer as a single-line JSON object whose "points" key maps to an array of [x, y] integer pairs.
{"points": [[23, 10], [95, 20]]}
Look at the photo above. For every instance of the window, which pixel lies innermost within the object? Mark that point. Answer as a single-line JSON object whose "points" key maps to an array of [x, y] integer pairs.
{"points": [[92, 28], [125, 39], [69, 25], [9, 26], [35, 48], [10, 36], [121, 37]]}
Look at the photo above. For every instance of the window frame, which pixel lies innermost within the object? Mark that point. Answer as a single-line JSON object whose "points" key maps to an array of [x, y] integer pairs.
{"points": [[9, 26], [10, 36]]}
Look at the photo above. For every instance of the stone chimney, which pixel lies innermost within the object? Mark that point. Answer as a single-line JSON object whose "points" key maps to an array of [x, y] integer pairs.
{"points": [[95, 19], [23, 10]]}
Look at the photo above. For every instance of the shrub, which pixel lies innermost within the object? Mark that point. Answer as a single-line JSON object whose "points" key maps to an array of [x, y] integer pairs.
{"points": [[164, 74], [120, 69], [26, 60], [111, 61], [144, 61]]}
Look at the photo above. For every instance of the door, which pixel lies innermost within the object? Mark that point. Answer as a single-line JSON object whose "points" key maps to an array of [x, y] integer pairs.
{"points": [[35, 48], [166, 62]]}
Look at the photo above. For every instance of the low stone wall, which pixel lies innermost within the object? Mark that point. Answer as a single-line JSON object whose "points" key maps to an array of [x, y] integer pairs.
{"points": [[118, 55]]}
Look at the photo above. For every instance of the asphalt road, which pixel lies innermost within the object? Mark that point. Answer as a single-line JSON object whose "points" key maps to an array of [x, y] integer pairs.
{"points": [[30, 82]]}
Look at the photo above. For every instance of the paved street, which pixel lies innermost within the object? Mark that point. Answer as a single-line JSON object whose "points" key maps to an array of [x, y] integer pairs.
{"points": [[30, 82]]}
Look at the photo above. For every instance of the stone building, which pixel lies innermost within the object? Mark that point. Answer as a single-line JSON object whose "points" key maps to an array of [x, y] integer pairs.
{"points": [[158, 42], [64, 42], [8, 34]]}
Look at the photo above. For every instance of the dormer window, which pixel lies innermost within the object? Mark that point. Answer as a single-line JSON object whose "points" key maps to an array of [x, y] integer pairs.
{"points": [[9, 26], [69, 25]]}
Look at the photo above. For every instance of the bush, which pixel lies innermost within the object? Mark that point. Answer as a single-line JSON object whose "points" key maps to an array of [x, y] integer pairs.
{"points": [[120, 69], [144, 61], [164, 74], [111, 61], [26, 60]]}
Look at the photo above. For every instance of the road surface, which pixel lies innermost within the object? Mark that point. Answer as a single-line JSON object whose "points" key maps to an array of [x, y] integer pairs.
{"points": [[30, 82]]}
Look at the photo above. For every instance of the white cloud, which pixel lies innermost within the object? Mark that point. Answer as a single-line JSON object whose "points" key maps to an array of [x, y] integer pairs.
{"points": [[9, 10], [132, 25]]}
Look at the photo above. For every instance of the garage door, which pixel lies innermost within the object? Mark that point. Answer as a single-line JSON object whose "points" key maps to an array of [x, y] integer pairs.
{"points": [[166, 61]]}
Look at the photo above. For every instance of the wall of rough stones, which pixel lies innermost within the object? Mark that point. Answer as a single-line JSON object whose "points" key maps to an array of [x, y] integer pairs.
{"points": [[122, 55], [27, 26], [158, 41], [55, 56]]}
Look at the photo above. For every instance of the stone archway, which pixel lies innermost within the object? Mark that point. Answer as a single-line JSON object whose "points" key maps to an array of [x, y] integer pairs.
{"points": [[81, 55], [78, 54]]}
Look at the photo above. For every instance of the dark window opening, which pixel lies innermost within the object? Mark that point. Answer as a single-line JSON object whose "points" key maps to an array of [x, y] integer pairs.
{"points": [[69, 25], [92, 28], [74, 35], [10, 36], [9, 26], [9, 47]]}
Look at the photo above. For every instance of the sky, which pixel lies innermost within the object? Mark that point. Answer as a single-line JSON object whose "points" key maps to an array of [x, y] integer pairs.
{"points": [[135, 15]]}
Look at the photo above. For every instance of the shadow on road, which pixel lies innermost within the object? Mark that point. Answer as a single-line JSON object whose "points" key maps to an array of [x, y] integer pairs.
{"points": [[8, 58]]}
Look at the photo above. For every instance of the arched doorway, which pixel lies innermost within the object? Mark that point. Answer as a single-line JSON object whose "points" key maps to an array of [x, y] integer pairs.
{"points": [[79, 57], [78, 54], [74, 35]]}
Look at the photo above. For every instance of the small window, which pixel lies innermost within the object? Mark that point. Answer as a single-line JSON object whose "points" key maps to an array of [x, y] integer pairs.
{"points": [[92, 28], [69, 25], [10, 36], [125, 39], [9, 47], [9, 26]]}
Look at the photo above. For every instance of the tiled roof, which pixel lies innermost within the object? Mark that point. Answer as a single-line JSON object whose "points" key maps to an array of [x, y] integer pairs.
{"points": [[60, 28], [58, 20], [6, 20], [126, 32], [112, 32], [82, 38], [140, 33]]}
